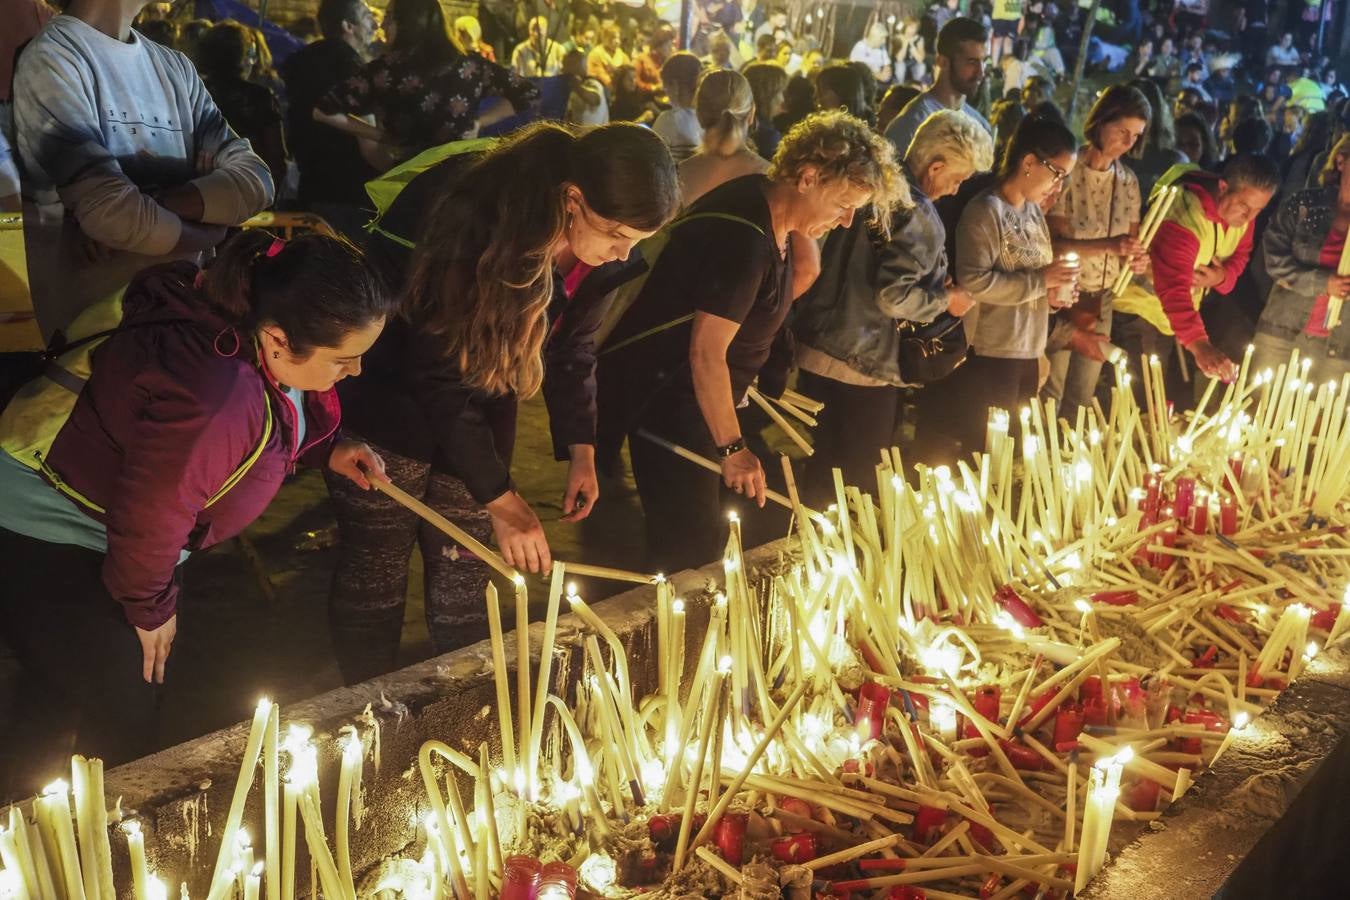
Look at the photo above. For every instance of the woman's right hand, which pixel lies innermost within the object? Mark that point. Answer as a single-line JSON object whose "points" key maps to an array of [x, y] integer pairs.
{"points": [[1338, 285], [155, 646], [1060, 273], [743, 473], [1125, 245], [519, 533]]}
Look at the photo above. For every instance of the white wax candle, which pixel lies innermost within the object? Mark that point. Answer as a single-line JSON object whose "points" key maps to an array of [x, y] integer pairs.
{"points": [[140, 874]]}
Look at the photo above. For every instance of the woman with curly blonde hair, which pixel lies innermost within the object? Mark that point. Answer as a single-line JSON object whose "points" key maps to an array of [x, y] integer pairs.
{"points": [[681, 358]]}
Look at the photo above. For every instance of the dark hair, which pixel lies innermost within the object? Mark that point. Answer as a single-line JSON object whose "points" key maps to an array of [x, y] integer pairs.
{"points": [[1161, 133], [767, 82], [1119, 101], [958, 31], [896, 99], [316, 289], [1194, 67], [1047, 111], [1251, 170], [1245, 106], [421, 32], [482, 275], [221, 50], [1040, 136], [1316, 134], [1209, 148], [844, 82], [161, 31], [332, 13], [1252, 135], [765, 41]]}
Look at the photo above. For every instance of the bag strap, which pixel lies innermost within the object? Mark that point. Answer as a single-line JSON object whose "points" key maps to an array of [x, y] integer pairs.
{"points": [[56, 351], [689, 317]]}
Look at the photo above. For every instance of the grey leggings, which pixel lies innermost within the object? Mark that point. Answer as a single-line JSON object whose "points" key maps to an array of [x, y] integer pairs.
{"points": [[370, 585]]}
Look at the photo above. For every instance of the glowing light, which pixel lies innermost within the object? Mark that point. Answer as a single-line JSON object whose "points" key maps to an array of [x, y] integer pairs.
{"points": [[733, 516], [653, 776], [1082, 606], [942, 716], [1241, 720], [1311, 650], [1003, 619], [941, 658], [724, 664], [156, 889], [1124, 756], [518, 579], [599, 871], [58, 786], [677, 605]]}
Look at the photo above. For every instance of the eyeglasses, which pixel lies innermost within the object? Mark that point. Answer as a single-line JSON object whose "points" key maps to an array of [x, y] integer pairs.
{"points": [[1055, 170]]}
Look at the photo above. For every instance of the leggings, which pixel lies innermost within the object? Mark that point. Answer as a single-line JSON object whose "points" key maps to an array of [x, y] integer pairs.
{"points": [[370, 584], [856, 425]]}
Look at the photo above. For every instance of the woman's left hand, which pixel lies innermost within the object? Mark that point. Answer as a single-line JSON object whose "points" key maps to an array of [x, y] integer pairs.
{"points": [[583, 487], [358, 462]]}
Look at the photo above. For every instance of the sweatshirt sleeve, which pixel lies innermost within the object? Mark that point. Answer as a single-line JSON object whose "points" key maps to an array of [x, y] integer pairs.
{"points": [[569, 370], [59, 134], [978, 240], [177, 459], [235, 183], [1302, 282], [1172, 254], [912, 271]]}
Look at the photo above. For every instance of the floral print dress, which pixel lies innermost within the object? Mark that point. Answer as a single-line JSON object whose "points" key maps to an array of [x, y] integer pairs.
{"points": [[421, 106]]}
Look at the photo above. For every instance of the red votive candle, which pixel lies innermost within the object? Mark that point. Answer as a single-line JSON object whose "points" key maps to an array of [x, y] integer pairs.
{"points": [[1016, 607], [1210, 721], [1142, 796], [1228, 522], [558, 881], [1069, 722], [906, 892], [1185, 498], [1198, 522], [729, 836], [985, 701], [1022, 757], [795, 848], [926, 821], [520, 878], [873, 699], [1116, 598]]}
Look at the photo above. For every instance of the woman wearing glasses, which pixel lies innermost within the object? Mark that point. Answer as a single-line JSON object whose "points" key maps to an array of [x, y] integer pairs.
{"points": [[1004, 258]]}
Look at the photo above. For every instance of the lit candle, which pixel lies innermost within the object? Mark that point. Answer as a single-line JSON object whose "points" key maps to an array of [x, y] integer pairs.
{"points": [[220, 882], [271, 801], [140, 874], [347, 775], [84, 816], [1342, 619], [301, 761], [942, 717], [18, 868], [252, 882], [156, 889], [53, 809], [1240, 722]]}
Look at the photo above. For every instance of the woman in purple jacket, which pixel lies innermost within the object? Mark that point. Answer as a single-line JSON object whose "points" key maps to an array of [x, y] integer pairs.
{"points": [[216, 384]]}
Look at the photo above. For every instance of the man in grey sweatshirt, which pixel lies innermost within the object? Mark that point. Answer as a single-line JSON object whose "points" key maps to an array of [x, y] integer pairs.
{"points": [[124, 156]]}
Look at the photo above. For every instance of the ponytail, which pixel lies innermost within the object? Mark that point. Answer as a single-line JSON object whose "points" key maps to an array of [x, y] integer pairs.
{"points": [[316, 289], [724, 105]]}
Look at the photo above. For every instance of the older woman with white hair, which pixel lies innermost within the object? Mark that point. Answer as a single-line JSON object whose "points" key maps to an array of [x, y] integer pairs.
{"points": [[847, 326]]}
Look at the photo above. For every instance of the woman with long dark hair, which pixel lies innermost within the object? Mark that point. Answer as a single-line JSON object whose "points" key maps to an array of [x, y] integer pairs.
{"points": [[1097, 217], [226, 57], [215, 385], [424, 90], [487, 320], [1005, 259]]}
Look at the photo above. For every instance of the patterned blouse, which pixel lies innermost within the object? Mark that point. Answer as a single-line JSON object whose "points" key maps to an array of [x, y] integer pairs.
{"points": [[421, 109]]}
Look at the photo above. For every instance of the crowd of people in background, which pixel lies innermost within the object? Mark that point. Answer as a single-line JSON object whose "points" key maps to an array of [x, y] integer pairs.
{"points": [[800, 203]]}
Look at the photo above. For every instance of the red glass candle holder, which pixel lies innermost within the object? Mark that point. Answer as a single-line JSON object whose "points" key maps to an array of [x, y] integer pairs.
{"points": [[1184, 499], [1022, 757], [1228, 518], [520, 878], [557, 881], [986, 703], [1207, 719], [873, 698]]}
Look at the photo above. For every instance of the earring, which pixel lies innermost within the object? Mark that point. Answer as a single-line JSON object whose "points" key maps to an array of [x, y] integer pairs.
{"points": [[276, 354]]}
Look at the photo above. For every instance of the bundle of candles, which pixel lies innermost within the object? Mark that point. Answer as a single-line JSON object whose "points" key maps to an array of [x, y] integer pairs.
{"points": [[953, 688]]}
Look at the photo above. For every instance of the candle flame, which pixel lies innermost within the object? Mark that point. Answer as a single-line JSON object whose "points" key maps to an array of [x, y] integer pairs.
{"points": [[1241, 720], [1125, 755], [58, 786], [257, 869], [733, 516], [1082, 606], [724, 664], [131, 826], [677, 606], [353, 750], [1311, 650]]}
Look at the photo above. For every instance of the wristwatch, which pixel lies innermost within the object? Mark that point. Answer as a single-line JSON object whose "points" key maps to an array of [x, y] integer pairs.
{"points": [[735, 446]]}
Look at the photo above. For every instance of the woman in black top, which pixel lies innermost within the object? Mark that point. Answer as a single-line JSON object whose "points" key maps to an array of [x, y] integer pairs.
{"points": [[226, 56], [682, 356], [485, 320], [424, 91]]}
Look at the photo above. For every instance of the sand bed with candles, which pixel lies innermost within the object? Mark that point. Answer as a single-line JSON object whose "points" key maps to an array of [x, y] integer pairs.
{"points": [[959, 688]]}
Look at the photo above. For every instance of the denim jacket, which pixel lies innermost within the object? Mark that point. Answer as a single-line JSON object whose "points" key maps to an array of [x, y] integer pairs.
{"points": [[868, 287], [1293, 249]]}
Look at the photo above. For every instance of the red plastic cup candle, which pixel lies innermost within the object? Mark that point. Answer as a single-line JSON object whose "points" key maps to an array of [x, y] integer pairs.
{"points": [[986, 703], [1142, 796], [795, 848], [557, 881], [1207, 719], [1198, 522], [1016, 607], [873, 699], [520, 878], [1069, 722], [1228, 516], [1022, 757], [729, 836], [1152, 495], [1185, 498], [927, 820]]}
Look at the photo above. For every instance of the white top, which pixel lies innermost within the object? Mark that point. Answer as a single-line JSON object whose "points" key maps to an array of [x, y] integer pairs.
{"points": [[1283, 56], [1098, 204], [100, 125], [679, 128], [525, 60], [876, 57], [902, 128], [587, 104]]}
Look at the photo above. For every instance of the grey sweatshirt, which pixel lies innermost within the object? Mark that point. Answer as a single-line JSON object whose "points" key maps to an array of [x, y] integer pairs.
{"points": [[1000, 250], [100, 124]]}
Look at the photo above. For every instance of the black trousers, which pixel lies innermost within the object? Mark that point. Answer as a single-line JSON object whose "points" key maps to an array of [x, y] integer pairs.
{"points": [[856, 424], [80, 688], [1139, 340], [955, 411]]}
